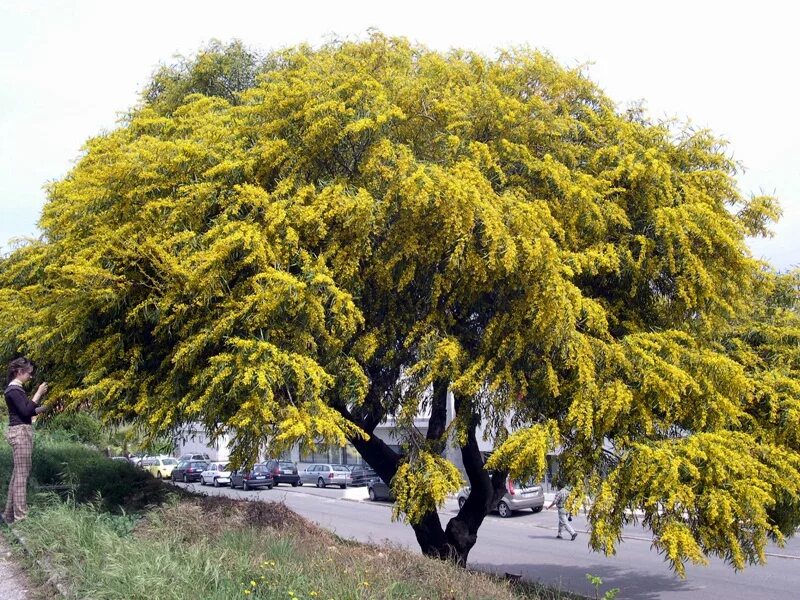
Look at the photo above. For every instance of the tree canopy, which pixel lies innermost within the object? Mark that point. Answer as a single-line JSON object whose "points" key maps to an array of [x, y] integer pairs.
{"points": [[297, 246]]}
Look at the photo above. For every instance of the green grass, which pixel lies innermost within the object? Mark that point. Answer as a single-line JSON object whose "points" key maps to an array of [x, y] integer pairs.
{"points": [[218, 549], [84, 474], [113, 532]]}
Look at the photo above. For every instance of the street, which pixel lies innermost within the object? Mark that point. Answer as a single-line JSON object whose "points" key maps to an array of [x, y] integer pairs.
{"points": [[525, 544]]}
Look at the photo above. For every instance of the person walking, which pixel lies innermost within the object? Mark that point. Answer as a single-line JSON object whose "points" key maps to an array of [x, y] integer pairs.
{"points": [[20, 434], [560, 501]]}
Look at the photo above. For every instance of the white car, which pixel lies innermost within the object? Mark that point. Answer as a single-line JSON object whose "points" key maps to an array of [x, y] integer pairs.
{"points": [[217, 474]]}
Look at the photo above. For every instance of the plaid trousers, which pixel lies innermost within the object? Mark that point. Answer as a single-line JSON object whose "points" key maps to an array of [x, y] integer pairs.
{"points": [[20, 437]]}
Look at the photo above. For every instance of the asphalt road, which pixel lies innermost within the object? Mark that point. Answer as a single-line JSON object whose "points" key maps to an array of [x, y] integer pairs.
{"points": [[526, 544]]}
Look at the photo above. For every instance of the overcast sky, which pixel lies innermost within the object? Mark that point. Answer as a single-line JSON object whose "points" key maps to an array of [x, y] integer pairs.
{"points": [[68, 68]]}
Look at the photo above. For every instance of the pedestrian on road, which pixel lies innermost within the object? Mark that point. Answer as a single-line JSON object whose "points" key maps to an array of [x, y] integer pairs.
{"points": [[560, 501], [20, 434]]}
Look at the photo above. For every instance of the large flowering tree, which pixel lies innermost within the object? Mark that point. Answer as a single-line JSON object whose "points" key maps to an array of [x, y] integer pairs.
{"points": [[293, 248]]}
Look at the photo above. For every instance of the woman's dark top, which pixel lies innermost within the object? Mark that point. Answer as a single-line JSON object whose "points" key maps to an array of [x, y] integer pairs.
{"points": [[20, 409]]}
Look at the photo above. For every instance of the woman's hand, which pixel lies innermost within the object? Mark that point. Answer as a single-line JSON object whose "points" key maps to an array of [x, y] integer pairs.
{"points": [[41, 391]]}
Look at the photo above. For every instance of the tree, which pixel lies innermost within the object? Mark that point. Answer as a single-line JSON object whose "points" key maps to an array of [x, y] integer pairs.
{"points": [[373, 224]]}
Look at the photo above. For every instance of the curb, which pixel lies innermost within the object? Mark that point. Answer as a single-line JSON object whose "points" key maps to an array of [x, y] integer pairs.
{"points": [[43, 564]]}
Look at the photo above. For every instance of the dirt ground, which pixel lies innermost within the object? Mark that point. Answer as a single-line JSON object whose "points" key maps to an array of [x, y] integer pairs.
{"points": [[14, 583]]}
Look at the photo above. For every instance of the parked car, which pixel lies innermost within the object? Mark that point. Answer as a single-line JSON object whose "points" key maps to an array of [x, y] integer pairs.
{"points": [[323, 475], [216, 474], [160, 467], [188, 470], [121, 459], [518, 496], [361, 474], [283, 471], [258, 476], [198, 456], [378, 490]]}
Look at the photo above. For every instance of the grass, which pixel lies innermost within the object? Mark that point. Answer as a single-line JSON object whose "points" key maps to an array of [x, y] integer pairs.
{"points": [[114, 532], [84, 474], [217, 548]]}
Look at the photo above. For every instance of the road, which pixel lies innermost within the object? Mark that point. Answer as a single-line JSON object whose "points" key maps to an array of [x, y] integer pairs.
{"points": [[526, 544]]}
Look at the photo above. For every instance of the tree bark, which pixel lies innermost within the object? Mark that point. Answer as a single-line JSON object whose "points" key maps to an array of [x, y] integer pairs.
{"points": [[456, 540]]}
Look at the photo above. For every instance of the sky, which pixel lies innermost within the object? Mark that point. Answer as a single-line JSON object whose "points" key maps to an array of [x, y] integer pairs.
{"points": [[68, 69]]}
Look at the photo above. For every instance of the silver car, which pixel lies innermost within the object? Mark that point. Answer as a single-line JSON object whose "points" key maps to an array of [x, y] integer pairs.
{"points": [[323, 475], [518, 496], [216, 474]]}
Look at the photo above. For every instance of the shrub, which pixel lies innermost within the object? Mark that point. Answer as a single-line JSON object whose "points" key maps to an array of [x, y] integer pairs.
{"points": [[76, 426], [85, 474]]}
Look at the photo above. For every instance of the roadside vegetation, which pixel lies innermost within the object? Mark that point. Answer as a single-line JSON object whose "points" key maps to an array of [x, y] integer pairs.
{"points": [[72, 469], [109, 530], [218, 548]]}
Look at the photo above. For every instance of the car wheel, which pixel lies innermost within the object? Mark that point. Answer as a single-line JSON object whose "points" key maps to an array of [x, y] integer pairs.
{"points": [[372, 495], [537, 509], [185, 478], [158, 475], [503, 510], [461, 502], [216, 482], [245, 486], [300, 483], [295, 484], [202, 480], [320, 483], [269, 487], [343, 486]]}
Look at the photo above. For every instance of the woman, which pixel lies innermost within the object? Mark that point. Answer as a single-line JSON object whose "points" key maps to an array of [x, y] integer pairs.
{"points": [[20, 434]]}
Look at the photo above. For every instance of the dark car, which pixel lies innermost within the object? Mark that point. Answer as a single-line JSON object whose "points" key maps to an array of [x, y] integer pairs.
{"points": [[257, 477], [378, 490], [188, 470], [361, 474], [283, 471]]}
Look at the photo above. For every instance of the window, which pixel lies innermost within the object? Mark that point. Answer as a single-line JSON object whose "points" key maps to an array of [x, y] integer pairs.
{"points": [[351, 456], [320, 454]]}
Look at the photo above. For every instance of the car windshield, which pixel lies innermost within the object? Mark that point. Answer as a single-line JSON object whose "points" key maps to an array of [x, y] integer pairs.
{"points": [[224, 467], [260, 469], [198, 465], [286, 464], [169, 461], [340, 468]]}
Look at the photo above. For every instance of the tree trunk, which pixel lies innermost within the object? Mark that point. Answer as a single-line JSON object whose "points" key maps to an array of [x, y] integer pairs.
{"points": [[485, 491], [455, 542]]}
